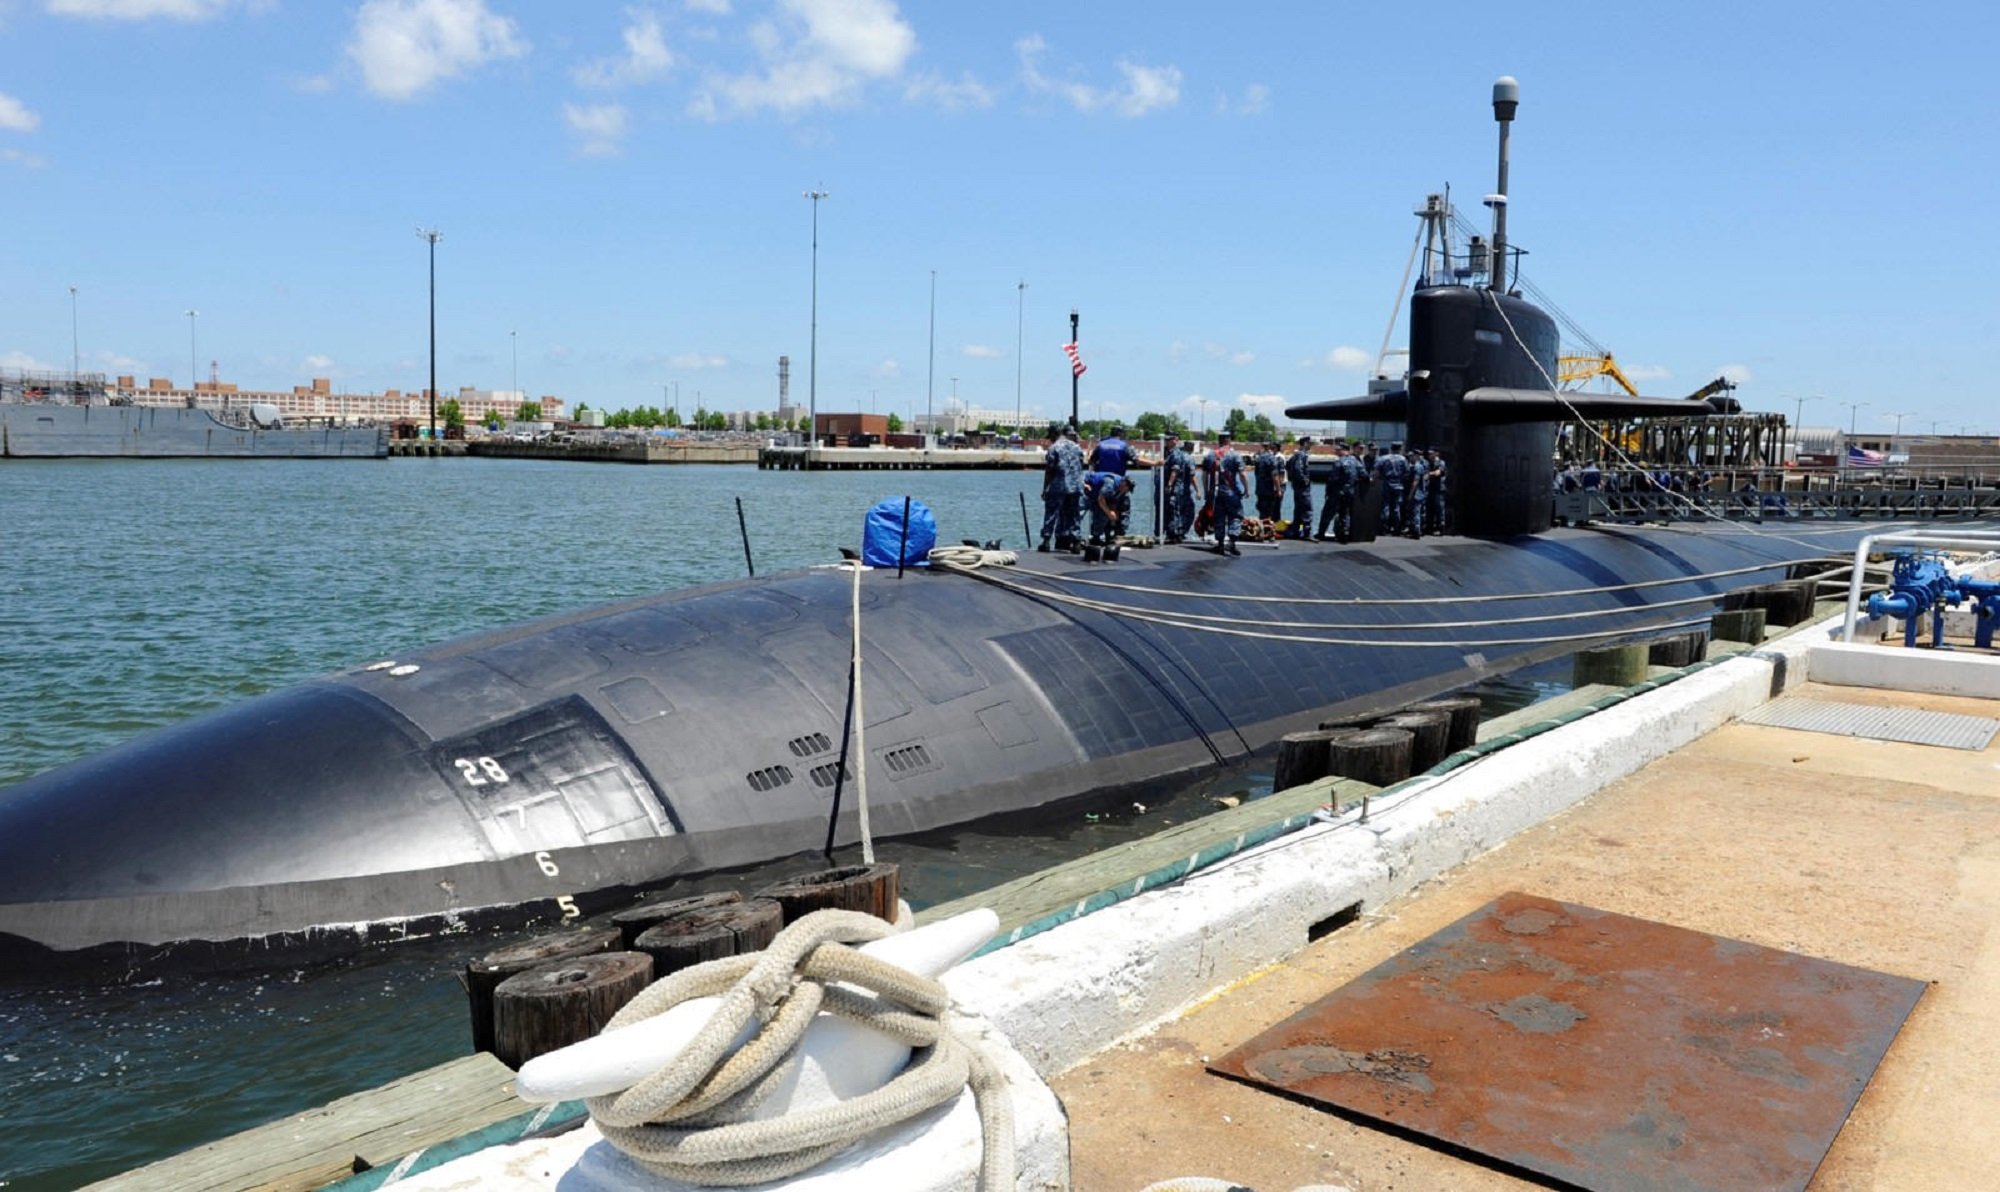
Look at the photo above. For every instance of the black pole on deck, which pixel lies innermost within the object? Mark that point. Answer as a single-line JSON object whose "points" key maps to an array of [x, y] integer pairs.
{"points": [[903, 546], [744, 529], [1027, 535], [1073, 372]]}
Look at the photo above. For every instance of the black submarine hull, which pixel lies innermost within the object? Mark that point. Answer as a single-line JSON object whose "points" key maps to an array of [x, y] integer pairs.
{"points": [[535, 773]]}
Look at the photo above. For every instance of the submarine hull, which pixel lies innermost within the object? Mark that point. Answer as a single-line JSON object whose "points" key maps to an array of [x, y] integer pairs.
{"points": [[534, 773]]}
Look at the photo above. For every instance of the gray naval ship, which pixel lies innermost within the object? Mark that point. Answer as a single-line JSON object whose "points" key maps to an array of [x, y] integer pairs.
{"points": [[65, 416], [554, 768]]}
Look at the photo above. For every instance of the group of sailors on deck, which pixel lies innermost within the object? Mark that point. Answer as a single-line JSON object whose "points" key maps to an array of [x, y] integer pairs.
{"points": [[1202, 496]]}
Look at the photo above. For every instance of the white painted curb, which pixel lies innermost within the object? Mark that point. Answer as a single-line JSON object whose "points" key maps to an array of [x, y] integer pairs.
{"points": [[1937, 672]]}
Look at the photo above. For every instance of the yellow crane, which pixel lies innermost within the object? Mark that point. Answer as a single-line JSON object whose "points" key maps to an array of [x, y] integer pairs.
{"points": [[1572, 371]]}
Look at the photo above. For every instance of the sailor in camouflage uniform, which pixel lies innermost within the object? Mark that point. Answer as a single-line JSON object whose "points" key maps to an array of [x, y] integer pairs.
{"points": [[1062, 490]]}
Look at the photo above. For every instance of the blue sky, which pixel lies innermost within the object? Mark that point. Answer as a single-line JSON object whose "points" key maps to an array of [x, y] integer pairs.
{"points": [[1781, 191]]}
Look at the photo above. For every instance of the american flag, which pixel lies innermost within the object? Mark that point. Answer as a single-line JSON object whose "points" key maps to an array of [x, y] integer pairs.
{"points": [[1076, 365], [1862, 457]]}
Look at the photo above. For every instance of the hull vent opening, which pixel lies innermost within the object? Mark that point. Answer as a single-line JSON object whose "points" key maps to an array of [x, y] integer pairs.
{"points": [[809, 744], [769, 778]]}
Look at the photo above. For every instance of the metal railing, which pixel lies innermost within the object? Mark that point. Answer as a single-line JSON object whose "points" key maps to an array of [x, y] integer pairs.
{"points": [[1984, 540]]}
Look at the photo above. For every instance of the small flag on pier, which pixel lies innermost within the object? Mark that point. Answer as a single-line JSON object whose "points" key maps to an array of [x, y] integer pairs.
{"points": [[1862, 457], [1076, 365]]}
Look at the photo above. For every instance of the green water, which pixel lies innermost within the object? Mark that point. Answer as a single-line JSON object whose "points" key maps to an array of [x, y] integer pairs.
{"points": [[134, 594]]}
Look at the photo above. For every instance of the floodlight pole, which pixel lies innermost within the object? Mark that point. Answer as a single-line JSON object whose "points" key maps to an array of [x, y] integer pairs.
{"points": [[432, 236], [812, 355]]}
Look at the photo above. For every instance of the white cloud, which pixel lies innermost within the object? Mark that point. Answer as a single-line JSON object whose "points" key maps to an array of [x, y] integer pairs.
{"points": [[1177, 352], [113, 362], [317, 363], [599, 128], [719, 8], [31, 161], [1737, 373], [691, 360], [15, 116], [1146, 88], [1254, 100], [646, 55], [1262, 401], [138, 10], [888, 370], [404, 47], [982, 352], [967, 92], [1218, 351], [21, 360], [816, 53], [1349, 359], [1646, 372]]}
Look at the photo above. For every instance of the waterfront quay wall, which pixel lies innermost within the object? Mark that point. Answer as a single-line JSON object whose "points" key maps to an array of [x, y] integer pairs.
{"points": [[1068, 993], [620, 451], [853, 459]]}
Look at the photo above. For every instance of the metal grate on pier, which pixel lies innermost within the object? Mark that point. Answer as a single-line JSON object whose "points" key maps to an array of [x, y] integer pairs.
{"points": [[1912, 725]]}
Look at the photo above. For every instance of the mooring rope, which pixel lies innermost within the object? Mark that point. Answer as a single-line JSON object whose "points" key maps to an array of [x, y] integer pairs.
{"points": [[1183, 621], [691, 1120], [1602, 589]]}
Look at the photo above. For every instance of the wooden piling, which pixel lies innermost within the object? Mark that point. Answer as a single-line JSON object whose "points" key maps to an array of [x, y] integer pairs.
{"points": [[485, 975], [1430, 733], [1679, 649], [1464, 713], [1303, 758], [711, 934], [1353, 724], [1620, 666], [1738, 625], [633, 921], [873, 889], [1377, 756], [545, 1008]]}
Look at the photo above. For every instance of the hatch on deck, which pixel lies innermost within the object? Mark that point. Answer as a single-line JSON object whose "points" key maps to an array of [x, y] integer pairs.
{"points": [[1599, 1050]]}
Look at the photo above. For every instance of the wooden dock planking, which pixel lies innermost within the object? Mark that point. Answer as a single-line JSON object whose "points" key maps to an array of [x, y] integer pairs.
{"points": [[312, 1149], [1029, 898]]}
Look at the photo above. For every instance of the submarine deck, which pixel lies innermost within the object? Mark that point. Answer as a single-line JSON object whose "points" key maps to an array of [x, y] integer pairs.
{"points": [[1872, 853]]}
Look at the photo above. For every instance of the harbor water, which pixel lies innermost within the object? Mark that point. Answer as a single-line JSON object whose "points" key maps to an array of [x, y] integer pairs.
{"points": [[136, 594]]}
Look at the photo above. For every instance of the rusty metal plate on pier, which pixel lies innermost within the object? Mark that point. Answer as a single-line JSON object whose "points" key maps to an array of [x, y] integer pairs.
{"points": [[1603, 1051]]}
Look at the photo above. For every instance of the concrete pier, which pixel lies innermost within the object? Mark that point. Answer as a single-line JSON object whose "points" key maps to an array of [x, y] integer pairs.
{"points": [[1872, 853]]}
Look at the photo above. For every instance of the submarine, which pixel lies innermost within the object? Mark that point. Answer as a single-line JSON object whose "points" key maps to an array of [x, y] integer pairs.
{"points": [[542, 771]]}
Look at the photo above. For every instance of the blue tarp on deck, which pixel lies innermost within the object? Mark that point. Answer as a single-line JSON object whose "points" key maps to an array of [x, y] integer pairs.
{"points": [[883, 533]]}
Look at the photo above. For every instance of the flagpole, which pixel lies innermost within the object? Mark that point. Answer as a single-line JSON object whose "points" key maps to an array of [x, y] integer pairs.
{"points": [[1074, 373]]}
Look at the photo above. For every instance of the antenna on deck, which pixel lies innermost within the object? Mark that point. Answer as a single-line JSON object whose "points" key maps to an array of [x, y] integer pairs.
{"points": [[1506, 97]]}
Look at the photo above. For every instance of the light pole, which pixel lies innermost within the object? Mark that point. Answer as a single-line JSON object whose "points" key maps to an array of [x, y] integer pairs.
{"points": [[514, 346], [1800, 417], [930, 370], [812, 356], [75, 368], [1020, 315], [1853, 408], [432, 236], [194, 370], [1899, 415]]}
